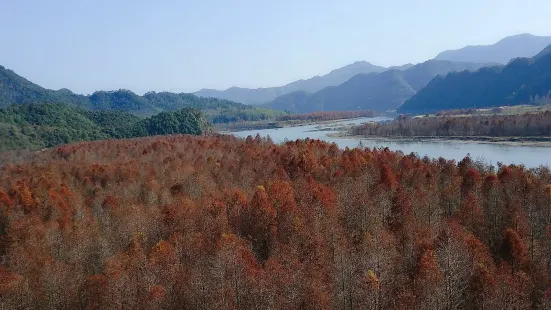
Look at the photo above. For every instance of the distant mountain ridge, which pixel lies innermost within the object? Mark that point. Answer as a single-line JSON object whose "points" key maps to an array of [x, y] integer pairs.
{"points": [[374, 91], [341, 89], [522, 45], [503, 51], [312, 85], [546, 51], [522, 81]]}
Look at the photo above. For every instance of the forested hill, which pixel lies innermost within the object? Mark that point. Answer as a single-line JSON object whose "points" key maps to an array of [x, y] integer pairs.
{"points": [[36, 126], [15, 89], [522, 81], [375, 91]]}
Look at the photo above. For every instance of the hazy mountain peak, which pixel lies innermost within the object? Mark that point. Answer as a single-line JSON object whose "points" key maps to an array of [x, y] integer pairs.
{"points": [[520, 45], [361, 66], [312, 85], [360, 63], [378, 91], [522, 81], [517, 37], [402, 67]]}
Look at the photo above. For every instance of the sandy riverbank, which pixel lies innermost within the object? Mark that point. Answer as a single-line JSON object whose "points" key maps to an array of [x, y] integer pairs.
{"points": [[259, 125]]}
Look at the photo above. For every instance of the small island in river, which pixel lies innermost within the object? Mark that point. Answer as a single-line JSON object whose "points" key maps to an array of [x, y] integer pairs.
{"points": [[533, 128]]}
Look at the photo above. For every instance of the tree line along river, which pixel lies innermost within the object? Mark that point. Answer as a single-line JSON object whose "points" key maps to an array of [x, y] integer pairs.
{"points": [[529, 156]]}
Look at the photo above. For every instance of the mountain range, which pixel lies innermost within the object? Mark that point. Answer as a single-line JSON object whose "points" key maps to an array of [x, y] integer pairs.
{"points": [[312, 85], [522, 45], [521, 81], [374, 91]]}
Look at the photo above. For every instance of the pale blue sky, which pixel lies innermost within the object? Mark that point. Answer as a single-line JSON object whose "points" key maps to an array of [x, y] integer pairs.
{"points": [[87, 45]]}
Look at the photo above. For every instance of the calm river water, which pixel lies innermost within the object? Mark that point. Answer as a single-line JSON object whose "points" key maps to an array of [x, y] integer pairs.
{"points": [[530, 156]]}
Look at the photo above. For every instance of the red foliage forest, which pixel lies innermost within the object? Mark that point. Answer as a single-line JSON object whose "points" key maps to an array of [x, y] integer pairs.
{"points": [[184, 222], [517, 125]]}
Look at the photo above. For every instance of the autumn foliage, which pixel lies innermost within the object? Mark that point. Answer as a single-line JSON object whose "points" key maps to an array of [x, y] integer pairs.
{"points": [[216, 222], [492, 125]]}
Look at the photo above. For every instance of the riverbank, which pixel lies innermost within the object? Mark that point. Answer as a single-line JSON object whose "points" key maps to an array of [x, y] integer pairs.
{"points": [[492, 153], [260, 125], [508, 141]]}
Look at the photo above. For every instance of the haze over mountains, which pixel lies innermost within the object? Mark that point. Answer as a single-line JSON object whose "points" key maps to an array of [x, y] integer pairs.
{"points": [[264, 95], [359, 86], [522, 81], [522, 45], [374, 91]]}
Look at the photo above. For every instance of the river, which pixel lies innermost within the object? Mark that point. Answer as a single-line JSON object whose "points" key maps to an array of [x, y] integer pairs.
{"points": [[529, 156]]}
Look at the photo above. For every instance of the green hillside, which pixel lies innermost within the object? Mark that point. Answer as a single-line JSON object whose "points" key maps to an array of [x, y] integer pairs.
{"points": [[36, 126], [15, 89]]}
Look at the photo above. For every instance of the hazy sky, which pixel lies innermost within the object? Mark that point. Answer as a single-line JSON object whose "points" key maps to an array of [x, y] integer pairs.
{"points": [[87, 45]]}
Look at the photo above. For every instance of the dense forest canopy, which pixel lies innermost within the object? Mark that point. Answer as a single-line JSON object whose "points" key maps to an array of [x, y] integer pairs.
{"points": [[15, 89], [37, 126], [522, 81], [192, 221], [197, 222]]}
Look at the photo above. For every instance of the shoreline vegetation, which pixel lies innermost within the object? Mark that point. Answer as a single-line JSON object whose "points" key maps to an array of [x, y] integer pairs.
{"points": [[294, 120], [511, 141], [527, 128], [260, 125]]}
